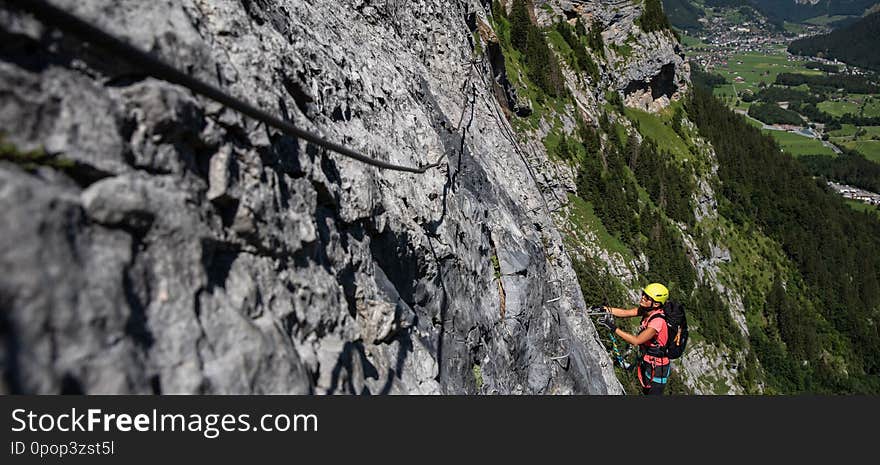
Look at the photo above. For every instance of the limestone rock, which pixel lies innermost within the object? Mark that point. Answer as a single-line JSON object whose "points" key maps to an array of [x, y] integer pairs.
{"points": [[204, 253]]}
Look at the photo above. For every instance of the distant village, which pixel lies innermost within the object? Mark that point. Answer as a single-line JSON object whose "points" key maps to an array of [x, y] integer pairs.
{"points": [[727, 39], [724, 40]]}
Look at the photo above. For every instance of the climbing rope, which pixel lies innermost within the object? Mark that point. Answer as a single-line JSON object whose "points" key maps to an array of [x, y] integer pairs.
{"points": [[621, 359], [508, 134], [150, 65]]}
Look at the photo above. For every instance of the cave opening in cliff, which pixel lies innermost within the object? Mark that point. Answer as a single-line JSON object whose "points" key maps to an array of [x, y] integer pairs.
{"points": [[663, 83]]}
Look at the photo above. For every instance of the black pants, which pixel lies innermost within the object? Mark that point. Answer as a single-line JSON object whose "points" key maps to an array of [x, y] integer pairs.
{"points": [[649, 376]]}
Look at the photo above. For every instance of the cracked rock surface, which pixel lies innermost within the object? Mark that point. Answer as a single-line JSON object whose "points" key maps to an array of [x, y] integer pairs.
{"points": [[189, 249]]}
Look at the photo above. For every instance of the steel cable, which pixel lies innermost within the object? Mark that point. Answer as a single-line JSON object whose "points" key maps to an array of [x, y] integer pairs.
{"points": [[66, 22]]}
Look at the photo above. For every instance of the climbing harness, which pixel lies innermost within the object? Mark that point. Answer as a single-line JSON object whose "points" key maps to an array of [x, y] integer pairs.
{"points": [[69, 23], [646, 379]]}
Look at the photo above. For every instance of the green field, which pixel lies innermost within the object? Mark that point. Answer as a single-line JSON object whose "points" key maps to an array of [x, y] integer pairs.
{"points": [[847, 130], [693, 43], [824, 20], [756, 67], [839, 108], [863, 207], [871, 132], [869, 148], [794, 28], [794, 144], [864, 139], [872, 107], [799, 145], [857, 104]]}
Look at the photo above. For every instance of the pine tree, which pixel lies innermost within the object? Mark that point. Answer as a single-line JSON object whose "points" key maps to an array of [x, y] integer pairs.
{"points": [[653, 18], [520, 25], [595, 38]]}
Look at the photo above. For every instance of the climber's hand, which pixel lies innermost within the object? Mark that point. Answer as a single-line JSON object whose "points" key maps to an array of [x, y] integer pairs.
{"points": [[607, 320]]}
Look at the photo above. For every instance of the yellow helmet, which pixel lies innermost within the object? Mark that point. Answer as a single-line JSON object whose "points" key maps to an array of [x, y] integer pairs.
{"points": [[657, 292]]}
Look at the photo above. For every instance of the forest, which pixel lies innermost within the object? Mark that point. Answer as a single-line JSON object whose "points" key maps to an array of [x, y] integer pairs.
{"points": [[856, 44], [772, 113], [831, 307]]}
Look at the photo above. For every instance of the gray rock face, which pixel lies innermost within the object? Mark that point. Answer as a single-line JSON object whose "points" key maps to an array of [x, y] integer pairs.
{"points": [[649, 69], [650, 72], [655, 73], [192, 250]]}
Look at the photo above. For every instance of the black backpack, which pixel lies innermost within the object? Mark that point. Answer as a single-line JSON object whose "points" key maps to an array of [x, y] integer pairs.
{"points": [[676, 323]]}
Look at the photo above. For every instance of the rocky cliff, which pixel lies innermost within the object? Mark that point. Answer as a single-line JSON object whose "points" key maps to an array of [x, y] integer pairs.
{"points": [[175, 246], [158, 242], [650, 69], [649, 72]]}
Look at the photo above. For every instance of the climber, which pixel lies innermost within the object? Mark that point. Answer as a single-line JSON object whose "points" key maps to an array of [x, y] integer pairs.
{"points": [[653, 371]]}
